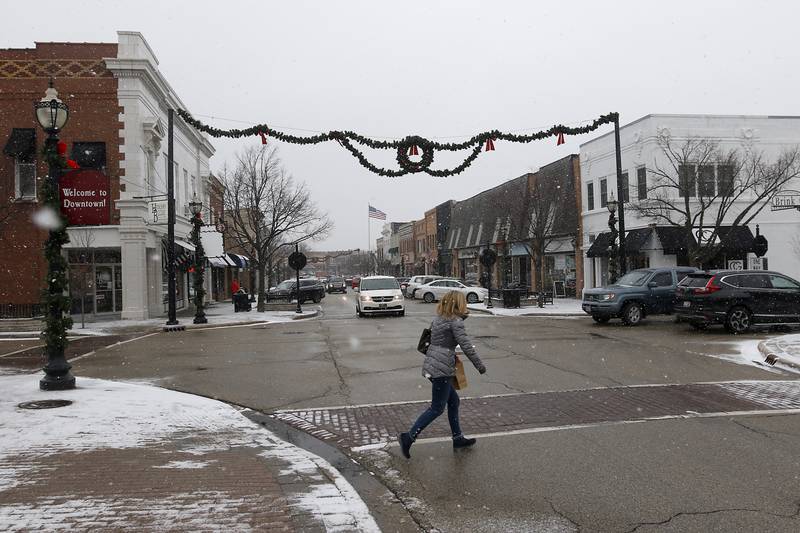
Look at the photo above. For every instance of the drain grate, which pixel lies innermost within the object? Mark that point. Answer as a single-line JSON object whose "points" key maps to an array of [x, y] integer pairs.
{"points": [[44, 404]]}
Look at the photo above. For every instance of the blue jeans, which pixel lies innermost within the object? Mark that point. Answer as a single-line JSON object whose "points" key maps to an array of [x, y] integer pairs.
{"points": [[443, 394]]}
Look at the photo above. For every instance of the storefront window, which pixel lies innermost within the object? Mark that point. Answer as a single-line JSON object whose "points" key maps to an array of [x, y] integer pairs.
{"points": [[95, 280]]}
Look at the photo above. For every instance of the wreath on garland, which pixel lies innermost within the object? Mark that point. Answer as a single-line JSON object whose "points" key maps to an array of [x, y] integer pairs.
{"points": [[406, 147]]}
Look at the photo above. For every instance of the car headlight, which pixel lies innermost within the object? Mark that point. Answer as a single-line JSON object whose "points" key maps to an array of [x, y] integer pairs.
{"points": [[364, 298], [398, 297], [606, 297]]}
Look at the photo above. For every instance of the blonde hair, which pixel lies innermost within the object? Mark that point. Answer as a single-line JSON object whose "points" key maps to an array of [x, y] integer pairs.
{"points": [[453, 304]]}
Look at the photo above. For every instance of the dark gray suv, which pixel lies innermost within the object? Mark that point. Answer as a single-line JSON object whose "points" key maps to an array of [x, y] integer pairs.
{"points": [[642, 292]]}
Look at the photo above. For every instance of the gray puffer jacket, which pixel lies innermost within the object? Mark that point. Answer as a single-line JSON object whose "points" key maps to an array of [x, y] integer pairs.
{"points": [[446, 334]]}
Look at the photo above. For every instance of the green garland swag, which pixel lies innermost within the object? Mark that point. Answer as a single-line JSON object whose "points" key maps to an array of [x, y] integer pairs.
{"points": [[199, 265], [348, 140], [55, 296]]}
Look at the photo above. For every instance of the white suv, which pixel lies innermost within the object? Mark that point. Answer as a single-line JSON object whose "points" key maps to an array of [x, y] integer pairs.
{"points": [[379, 294]]}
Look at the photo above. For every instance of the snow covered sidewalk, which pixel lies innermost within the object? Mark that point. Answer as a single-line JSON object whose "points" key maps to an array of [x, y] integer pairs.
{"points": [[127, 456], [782, 349], [218, 314], [559, 307]]}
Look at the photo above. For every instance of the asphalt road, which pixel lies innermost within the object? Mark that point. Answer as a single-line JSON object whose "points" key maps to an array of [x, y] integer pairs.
{"points": [[717, 473]]}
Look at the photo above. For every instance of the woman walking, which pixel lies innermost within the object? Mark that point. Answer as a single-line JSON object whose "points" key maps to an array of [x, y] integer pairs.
{"points": [[447, 331]]}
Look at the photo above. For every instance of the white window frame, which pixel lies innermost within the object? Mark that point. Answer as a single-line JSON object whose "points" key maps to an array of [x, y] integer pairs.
{"points": [[17, 189]]}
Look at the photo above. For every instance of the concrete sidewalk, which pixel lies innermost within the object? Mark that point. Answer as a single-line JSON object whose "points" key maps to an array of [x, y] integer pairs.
{"points": [[133, 456]]}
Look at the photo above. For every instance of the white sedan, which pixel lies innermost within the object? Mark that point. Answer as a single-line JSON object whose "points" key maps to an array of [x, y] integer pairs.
{"points": [[434, 290]]}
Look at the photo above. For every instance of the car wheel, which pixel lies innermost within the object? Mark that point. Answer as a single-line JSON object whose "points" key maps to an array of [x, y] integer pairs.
{"points": [[738, 320], [632, 314], [402, 313], [316, 299], [472, 298], [600, 319], [428, 298], [359, 314], [302, 301]]}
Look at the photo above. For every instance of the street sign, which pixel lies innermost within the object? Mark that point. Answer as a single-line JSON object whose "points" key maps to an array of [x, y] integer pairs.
{"points": [[297, 260], [785, 200], [735, 264]]}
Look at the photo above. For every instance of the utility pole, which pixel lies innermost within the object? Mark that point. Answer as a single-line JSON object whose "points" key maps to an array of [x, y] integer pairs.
{"points": [[621, 197], [171, 318]]}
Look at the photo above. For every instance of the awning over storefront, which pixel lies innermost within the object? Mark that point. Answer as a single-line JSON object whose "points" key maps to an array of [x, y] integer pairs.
{"points": [[21, 144], [673, 239], [635, 240], [189, 247], [219, 261], [519, 249], [239, 261], [599, 247], [736, 240]]}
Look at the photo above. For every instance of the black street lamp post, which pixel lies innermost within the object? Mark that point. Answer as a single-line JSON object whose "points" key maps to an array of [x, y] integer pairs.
{"points": [[196, 209], [612, 247], [52, 115]]}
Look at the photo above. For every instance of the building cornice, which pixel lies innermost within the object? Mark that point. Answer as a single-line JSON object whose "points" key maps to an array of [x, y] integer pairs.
{"points": [[143, 70]]}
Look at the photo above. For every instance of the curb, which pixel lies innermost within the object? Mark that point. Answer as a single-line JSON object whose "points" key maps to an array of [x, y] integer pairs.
{"points": [[538, 315], [774, 356]]}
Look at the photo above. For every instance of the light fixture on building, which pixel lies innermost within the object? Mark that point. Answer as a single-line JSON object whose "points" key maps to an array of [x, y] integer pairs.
{"points": [[51, 113], [195, 207], [612, 205]]}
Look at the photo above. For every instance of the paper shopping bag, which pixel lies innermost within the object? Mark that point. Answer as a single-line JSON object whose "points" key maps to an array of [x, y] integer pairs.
{"points": [[460, 379]]}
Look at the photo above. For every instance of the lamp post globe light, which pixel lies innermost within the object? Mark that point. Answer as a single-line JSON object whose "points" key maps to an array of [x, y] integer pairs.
{"points": [[52, 115], [196, 208], [612, 247]]}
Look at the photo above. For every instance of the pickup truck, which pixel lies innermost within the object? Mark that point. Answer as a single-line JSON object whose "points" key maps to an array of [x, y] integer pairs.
{"points": [[641, 292]]}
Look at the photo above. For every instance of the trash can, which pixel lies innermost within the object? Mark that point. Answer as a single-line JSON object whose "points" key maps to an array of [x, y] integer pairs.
{"points": [[241, 302], [511, 298]]}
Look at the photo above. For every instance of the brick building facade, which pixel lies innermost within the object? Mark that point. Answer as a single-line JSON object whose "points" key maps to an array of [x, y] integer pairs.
{"points": [[118, 103]]}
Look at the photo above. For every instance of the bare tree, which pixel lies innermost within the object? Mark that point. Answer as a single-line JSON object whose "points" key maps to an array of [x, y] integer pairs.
{"points": [[81, 276], [544, 199], [702, 189], [265, 207]]}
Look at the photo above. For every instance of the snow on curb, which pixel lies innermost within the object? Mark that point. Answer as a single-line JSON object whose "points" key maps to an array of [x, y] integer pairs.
{"points": [[567, 307], [783, 350], [109, 414]]}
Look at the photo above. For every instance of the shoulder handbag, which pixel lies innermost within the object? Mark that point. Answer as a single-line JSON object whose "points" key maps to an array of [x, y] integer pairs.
{"points": [[424, 341]]}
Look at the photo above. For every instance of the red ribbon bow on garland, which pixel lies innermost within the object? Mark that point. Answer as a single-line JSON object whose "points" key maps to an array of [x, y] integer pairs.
{"points": [[61, 149], [560, 140], [489, 145], [413, 150], [263, 137]]}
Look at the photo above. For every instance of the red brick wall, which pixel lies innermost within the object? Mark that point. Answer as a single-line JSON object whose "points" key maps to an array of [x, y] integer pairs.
{"points": [[90, 90]]}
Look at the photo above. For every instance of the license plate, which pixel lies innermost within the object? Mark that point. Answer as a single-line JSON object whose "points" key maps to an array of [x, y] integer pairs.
{"points": [[687, 303], [382, 306]]}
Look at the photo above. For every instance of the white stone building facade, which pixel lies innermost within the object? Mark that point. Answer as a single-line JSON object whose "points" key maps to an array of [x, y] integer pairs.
{"points": [[655, 246], [146, 96]]}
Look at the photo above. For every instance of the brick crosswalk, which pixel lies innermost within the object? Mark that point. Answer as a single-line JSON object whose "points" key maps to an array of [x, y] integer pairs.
{"points": [[357, 426]]}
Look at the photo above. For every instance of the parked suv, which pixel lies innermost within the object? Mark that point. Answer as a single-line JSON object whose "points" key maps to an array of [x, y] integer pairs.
{"points": [[310, 289], [642, 292], [738, 299], [337, 285]]}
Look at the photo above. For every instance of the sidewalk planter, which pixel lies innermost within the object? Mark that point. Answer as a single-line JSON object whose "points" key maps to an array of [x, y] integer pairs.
{"points": [[511, 298]]}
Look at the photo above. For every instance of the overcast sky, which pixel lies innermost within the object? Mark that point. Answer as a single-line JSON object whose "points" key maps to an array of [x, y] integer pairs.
{"points": [[439, 69]]}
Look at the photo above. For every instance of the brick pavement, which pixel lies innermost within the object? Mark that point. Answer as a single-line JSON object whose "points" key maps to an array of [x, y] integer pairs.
{"points": [[137, 458], [357, 426]]}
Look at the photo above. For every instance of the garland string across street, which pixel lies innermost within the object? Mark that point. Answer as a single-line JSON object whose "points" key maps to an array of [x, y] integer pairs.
{"points": [[409, 145]]}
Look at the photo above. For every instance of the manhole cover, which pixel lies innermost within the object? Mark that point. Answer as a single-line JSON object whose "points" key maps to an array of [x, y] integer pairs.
{"points": [[44, 404], [201, 368]]}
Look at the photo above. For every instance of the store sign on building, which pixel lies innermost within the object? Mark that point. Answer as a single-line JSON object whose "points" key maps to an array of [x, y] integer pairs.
{"points": [[157, 211], [786, 200], [84, 198]]}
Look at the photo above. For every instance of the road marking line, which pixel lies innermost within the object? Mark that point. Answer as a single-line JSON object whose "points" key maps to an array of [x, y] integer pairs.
{"points": [[721, 414], [78, 358]]}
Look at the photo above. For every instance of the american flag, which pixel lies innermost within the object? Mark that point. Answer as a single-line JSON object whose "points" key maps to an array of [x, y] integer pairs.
{"points": [[376, 213]]}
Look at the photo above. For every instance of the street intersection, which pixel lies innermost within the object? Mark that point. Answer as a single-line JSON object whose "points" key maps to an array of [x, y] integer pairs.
{"points": [[581, 426]]}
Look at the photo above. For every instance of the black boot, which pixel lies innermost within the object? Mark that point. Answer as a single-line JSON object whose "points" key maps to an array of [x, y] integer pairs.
{"points": [[405, 441], [462, 442]]}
